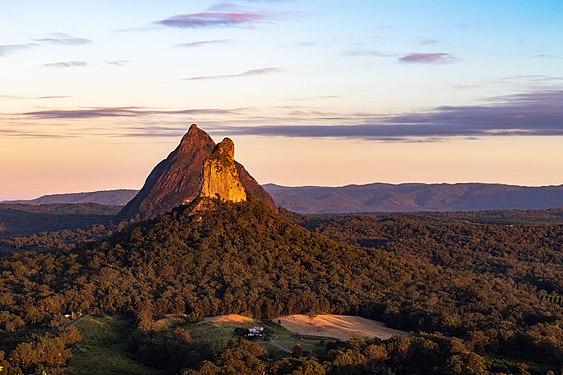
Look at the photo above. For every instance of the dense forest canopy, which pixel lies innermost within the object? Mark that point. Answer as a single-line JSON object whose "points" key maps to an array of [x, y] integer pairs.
{"points": [[18, 219], [525, 246], [427, 274]]}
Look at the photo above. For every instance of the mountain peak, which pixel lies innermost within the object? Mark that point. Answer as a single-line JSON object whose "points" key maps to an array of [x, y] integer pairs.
{"points": [[197, 167], [193, 138]]}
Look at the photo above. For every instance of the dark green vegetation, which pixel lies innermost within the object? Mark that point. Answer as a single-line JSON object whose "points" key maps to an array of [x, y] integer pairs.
{"points": [[433, 274], [523, 246], [53, 226], [26, 219]]}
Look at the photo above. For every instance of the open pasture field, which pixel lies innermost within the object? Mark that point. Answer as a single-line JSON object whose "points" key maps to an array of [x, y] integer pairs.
{"points": [[342, 327], [103, 349], [216, 332]]}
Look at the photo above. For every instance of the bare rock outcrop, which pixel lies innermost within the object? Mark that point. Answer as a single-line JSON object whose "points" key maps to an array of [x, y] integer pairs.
{"points": [[197, 167], [220, 177]]}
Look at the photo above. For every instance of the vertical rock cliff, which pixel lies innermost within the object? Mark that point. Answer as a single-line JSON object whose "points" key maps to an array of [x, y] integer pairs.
{"points": [[220, 177]]}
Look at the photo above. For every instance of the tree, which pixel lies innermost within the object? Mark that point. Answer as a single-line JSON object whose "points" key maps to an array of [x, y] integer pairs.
{"points": [[311, 315], [310, 367], [297, 351]]}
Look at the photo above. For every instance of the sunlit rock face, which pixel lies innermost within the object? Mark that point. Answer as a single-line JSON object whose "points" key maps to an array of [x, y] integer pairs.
{"points": [[220, 177]]}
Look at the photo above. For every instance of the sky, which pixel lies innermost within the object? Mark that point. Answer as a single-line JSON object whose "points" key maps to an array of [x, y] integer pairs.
{"points": [[93, 94]]}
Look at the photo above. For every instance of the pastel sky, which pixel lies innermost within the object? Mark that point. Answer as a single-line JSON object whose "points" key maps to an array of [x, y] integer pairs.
{"points": [[94, 93]]}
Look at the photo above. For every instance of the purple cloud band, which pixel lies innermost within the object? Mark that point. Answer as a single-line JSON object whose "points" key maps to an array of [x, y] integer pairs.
{"points": [[532, 114], [213, 19], [529, 114], [427, 58], [122, 112]]}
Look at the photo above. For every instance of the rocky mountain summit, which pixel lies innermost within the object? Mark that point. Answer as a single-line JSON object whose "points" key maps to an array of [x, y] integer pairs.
{"points": [[197, 167]]}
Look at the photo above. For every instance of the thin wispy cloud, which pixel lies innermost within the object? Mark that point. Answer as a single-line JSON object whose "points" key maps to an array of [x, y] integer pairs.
{"points": [[427, 58], [201, 43], [96, 112], [66, 64], [54, 97], [65, 39], [425, 40], [118, 62], [15, 97], [306, 44], [30, 134], [214, 19], [465, 86], [8, 49], [230, 7], [367, 52], [12, 97], [322, 97], [252, 72], [547, 56], [530, 114]]}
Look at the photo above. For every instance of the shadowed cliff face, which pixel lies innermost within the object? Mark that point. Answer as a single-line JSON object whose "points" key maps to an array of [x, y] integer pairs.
{"points": [[196, 167]]}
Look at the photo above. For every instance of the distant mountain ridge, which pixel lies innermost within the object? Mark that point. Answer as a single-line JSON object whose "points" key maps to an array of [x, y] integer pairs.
{"points": [[118, 197], [414, 197], [376, 197]]}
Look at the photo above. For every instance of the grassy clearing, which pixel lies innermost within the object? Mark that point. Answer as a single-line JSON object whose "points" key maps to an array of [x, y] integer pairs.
{"points": [[103, 349], [214, 335], [217, 331], [286, 339], [342, 327]]}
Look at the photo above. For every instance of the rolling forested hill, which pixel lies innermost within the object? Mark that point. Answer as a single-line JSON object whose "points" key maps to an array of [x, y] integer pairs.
{"points": [[244, 258], [414, 197]]}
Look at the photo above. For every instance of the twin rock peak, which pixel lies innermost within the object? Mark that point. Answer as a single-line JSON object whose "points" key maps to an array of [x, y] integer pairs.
{"points": [[196, 168]]}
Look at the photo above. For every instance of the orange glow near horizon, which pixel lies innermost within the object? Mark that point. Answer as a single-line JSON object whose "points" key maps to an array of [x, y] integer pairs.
{"points": [[34, 167]]}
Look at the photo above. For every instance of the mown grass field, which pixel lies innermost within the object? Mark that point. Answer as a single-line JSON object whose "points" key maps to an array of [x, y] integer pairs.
{"points": [[103, 349]]}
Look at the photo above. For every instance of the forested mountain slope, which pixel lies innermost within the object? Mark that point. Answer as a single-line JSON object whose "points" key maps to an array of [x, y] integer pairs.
{"points": [[216, 258]]}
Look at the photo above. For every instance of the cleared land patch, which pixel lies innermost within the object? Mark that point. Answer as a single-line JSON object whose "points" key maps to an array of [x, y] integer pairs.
{"points": [[215, 332], [342, 327], [103, 349]]}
